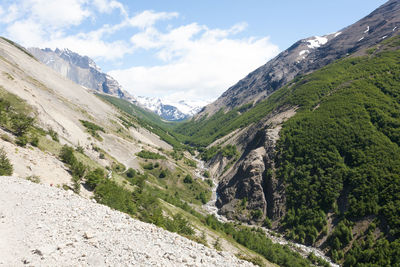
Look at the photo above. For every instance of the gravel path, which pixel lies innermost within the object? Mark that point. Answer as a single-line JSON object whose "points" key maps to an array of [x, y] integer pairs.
{"points": [[45, 226]]}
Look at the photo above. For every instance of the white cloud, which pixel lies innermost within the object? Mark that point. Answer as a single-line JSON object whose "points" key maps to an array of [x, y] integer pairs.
{"points": [[26, 30], [148, 18], [197, 62], [59, 13], [106, 6], [200, 63]]}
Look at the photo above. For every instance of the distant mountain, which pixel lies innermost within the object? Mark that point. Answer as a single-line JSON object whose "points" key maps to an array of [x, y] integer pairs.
{"points": [[171, 111], [81, 70], [308, 55], [84, 71]]}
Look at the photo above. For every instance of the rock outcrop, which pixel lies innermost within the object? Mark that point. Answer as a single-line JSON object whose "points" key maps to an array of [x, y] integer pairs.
{"points": [[251, 184], [81, 70]]}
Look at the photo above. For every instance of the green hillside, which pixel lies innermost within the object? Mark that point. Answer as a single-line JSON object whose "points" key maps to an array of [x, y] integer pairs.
{"points": [[338, 156], [146, 119]]}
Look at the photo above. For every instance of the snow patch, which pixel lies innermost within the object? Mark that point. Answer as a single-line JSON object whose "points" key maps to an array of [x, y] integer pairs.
{"points": [[317, 41], [367, 30], [360, 39], [302, 52], [384, 37], [337, 34], [394, 28]]}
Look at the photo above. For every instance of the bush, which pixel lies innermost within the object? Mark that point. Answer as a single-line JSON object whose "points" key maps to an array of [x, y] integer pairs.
{"points": [[34, 179], [54, 135], [21, 124], [145, 154], [163, 174], [21, 140], [130, 173], [34, 141], [148, 166], [188, 179], [93, 178], [6, 168], [67, 155]]}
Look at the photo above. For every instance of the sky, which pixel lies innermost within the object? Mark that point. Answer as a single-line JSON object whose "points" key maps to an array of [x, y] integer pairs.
{"points": [[176, 49]]}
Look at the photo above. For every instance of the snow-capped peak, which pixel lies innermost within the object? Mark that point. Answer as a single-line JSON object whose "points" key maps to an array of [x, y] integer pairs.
{"points": [[171, 110]]}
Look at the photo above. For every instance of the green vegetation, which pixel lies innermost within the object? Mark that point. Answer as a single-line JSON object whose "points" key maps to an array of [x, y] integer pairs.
{"points": [[256, 240], [145, 154], [77, 168], [93, 129], [188, 179], [148, 120], [6, 168], [228, 151], [190, 163], [341, 154], [17, 117]]}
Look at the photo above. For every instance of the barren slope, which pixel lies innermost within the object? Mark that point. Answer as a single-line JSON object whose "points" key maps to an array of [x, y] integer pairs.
{"points": [[45, 226]]}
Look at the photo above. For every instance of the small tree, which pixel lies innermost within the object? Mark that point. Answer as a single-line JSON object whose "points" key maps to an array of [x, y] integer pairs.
{"points": [[5, 166], [21, 124]]}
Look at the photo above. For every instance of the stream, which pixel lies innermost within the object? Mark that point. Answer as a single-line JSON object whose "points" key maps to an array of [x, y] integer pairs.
{"points": [[211, 208]]}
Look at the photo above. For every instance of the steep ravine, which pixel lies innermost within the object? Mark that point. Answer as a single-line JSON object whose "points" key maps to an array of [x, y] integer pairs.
{"points": [[277, 238]]}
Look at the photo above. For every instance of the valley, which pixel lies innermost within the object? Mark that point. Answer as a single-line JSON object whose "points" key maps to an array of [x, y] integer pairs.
{"points": [[297, 164]]}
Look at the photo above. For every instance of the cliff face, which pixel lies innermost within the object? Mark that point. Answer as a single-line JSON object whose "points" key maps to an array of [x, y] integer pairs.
{"points": [[308, 55], [81, 70], [251, 184]]}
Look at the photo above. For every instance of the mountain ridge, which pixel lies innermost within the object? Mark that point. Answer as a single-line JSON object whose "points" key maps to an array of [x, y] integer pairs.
{"points": [[257, 85]]}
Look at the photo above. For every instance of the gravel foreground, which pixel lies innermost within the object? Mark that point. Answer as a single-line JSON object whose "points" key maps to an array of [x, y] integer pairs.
{"points": [[46, 226]]}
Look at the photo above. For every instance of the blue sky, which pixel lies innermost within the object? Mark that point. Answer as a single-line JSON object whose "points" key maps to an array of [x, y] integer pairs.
{"points": [[176, 49]]}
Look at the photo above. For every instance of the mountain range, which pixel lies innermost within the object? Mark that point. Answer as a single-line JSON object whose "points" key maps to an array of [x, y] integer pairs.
{"points": [[307, 145], [84, 71]]}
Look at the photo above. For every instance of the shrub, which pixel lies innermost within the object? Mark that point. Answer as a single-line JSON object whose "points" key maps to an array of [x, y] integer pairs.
{"points": [[67, 155], [148, 166], [33, 178], [256, 214], [163, 174], [6, 167], [21, 124], [188, 179], [145, 154], [21, 140], [130, 173], [53, 134], [34, 141], [93, 178]]}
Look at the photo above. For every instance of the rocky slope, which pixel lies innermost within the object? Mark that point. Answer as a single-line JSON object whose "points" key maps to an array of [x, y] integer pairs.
{"points": [[45, 226], [81, 70], [308, 55], [60, 104]]}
